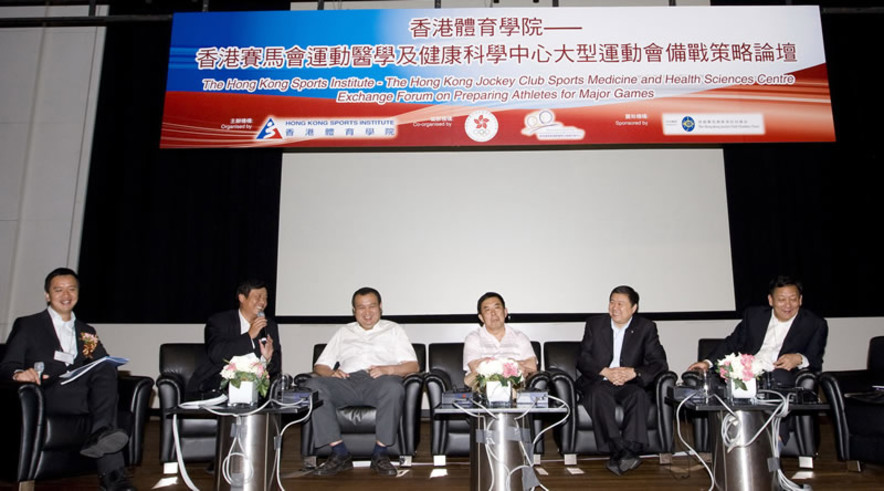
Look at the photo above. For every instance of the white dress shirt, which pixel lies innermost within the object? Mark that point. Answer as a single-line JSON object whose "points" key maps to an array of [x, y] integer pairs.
{"points": [[619, 332], [67, 335], [482, 344], [357, 349], [777, 331]]}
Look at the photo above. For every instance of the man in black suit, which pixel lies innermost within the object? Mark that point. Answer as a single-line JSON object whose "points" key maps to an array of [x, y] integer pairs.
{"points": [[783, 334], [620, 355], [62, 343], [238, 332]]}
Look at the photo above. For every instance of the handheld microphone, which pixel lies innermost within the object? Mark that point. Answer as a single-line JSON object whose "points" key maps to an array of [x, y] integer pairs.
{"points": [[262, 336], [39, 366]]}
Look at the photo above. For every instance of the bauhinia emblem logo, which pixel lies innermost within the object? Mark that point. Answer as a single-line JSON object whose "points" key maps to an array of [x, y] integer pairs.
{"points": [[481, 126]]}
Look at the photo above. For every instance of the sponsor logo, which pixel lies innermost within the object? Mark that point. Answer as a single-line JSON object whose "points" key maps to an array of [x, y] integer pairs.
{"points": [[481, 126], [688, 124], [543, 125], [704, 124]]}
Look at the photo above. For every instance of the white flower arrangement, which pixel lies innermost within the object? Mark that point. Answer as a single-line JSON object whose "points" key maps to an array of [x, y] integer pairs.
{"points": [[246, 368], [741, 368], [504, 370]]}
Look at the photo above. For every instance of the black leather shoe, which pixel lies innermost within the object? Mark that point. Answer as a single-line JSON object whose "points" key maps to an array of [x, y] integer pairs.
{"points": [[630, 462], [116, 480], [334, 464], [613, 465], [382, 466], [104, 441]]}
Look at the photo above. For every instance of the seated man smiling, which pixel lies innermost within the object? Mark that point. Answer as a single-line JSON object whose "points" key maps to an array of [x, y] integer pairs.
{"points": [[363, 364]]}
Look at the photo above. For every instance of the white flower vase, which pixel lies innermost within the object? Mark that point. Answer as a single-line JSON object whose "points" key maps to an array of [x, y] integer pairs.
{"points": [[738, 393], [246, 393], [498, 392]]}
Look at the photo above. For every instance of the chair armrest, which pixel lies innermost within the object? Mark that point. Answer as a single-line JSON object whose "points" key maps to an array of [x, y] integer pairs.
{"points": [[411, 414], [439, 377], [854, 380], [832, 390], [538, 381], [692, 378], [562, 386], [134, 398], [411, 378], [130, 388], [301, 378], [665, 411], [807, 379], [23, 407], [170, 389], [436, 382]]}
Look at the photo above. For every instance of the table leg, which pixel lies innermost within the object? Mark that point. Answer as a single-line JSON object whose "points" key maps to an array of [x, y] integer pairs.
{"points": [[743, 468], [244, 452], [495, 451]]}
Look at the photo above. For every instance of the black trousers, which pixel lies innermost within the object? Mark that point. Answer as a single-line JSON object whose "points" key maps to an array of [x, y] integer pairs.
{"points": [[94, 393], [601, 401]]}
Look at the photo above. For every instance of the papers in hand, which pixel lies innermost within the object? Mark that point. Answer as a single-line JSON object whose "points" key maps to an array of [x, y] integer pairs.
{"points": [[72, 375], [204, 403]]}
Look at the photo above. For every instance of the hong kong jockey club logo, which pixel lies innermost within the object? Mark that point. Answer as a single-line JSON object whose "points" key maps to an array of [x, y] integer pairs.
{"points": [[269, 132], [688, 124], [481, 126]]}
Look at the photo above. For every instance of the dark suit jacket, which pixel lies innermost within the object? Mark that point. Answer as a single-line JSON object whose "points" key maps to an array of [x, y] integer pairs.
{"points": [[807, 336], [33, 339], [641, 350], [223, 342]]}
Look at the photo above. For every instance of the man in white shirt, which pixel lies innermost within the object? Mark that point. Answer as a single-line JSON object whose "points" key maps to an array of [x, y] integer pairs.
{"points": [[363, 364], [783, 334], [495, 339], [60, 341]]}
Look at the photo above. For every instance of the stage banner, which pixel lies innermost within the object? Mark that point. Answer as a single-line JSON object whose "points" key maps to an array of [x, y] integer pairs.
{"points": [[497, 77]]}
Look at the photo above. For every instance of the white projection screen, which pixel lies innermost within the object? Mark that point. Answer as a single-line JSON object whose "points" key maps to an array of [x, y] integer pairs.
{"points": [[552, 231]]}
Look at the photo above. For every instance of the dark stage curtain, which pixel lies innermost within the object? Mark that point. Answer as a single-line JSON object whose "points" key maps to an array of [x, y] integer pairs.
{"points": [[168, 235], [813, 210]]}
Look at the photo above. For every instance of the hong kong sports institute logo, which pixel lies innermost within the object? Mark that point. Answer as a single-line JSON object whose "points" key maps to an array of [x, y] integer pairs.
{"points": [[270, 131], [481, 126]]}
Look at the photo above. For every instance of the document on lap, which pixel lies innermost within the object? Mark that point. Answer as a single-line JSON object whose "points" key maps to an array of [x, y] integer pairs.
{"points": [[72, 375]]}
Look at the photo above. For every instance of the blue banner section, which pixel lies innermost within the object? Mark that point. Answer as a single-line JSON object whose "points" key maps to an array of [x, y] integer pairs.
{"points": [[505, 76]]}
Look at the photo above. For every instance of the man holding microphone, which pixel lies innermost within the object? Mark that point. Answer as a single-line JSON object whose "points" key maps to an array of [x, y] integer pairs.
{"points": [[235, 333]]}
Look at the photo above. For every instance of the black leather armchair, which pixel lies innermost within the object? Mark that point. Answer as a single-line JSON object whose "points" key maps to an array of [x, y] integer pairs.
{"points": [[804, 436], [858, 410], [41, 446], [577, 435], [178, 361], [450, 437], [358, 422]]}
